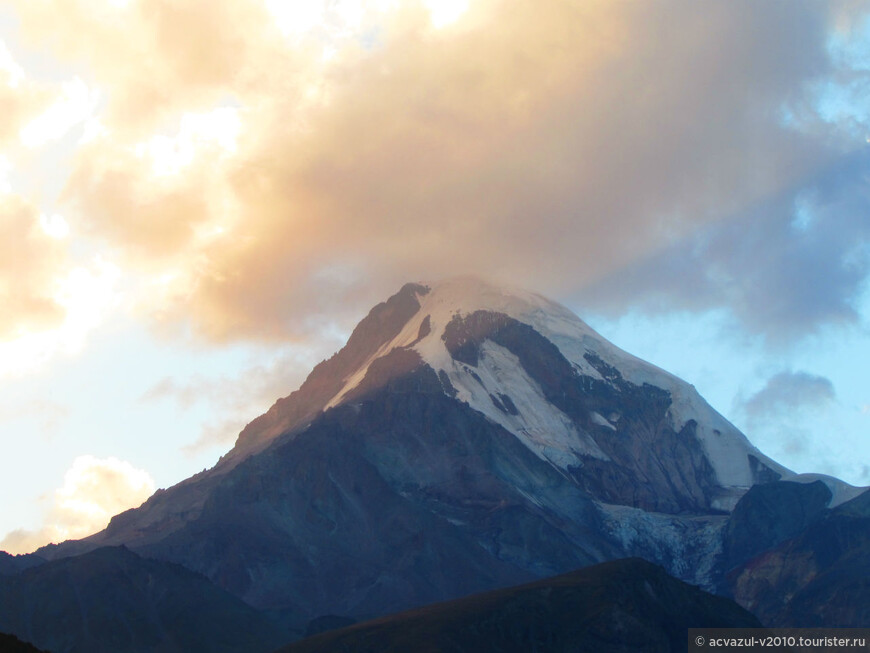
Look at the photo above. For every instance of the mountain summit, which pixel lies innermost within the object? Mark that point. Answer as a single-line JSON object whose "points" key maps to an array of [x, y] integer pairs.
{"points": [[641, 436], [470, 437]]}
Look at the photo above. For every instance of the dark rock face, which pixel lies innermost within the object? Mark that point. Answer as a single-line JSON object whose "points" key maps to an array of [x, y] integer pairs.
{"points": [[168, 510], [650, 465], [113, 601], [819, 577], [400, 499], [761, 472], [624, 605], [326, 623], [380, 326], [770, 514], [394, 372]]}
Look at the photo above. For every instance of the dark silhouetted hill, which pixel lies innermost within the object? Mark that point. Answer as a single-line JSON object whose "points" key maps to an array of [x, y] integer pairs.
{"points": [[623, 605], [113, 601]]}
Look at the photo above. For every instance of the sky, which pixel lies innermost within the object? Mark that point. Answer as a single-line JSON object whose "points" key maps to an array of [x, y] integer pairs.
{"points": [[199, 200]]}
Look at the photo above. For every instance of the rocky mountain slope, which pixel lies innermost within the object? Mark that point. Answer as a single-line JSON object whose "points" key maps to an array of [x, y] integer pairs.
{"points": [[814, 569], [467, 438]]}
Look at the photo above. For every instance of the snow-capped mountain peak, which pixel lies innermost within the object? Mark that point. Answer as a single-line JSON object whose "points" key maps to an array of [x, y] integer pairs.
{"points": [[498, 386], [468, 436]]}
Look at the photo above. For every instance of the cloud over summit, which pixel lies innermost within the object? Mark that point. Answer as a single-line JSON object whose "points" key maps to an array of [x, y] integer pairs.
{"points": [[255, 180], [548, 143]]}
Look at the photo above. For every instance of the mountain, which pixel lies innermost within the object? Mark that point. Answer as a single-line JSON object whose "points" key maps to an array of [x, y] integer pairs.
{"points": [[113, 601], [10, 564], [467, 438], [625, 605], [11, 644]]}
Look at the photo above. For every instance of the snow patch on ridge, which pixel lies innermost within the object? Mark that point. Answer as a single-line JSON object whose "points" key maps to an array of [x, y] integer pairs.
{"points": [[538, 424]]}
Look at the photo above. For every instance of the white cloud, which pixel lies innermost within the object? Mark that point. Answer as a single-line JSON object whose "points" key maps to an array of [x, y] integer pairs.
{"points": [[54, 225], [215, 130], [445, 12], [296, 18], [76, 104], [5, 169], [86, 295], [8, 65], [94, 490]]}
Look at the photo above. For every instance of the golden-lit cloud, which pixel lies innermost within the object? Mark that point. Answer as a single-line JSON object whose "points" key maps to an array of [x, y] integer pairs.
{"points": [[154, 58], [94, 490], [49, 304], [261, 167], [30, 259], [85, 296], [157, 198]]}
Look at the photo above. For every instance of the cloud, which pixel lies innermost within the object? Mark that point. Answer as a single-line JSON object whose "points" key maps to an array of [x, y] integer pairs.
{"points": [[49, 415], [547, 143], [83, 297], [788, 391], [75, 105], [30, 262], [20, 97], [233, 401], [784, 267], [155, 56], [778, 415], [94, 490], [221, 433]]}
